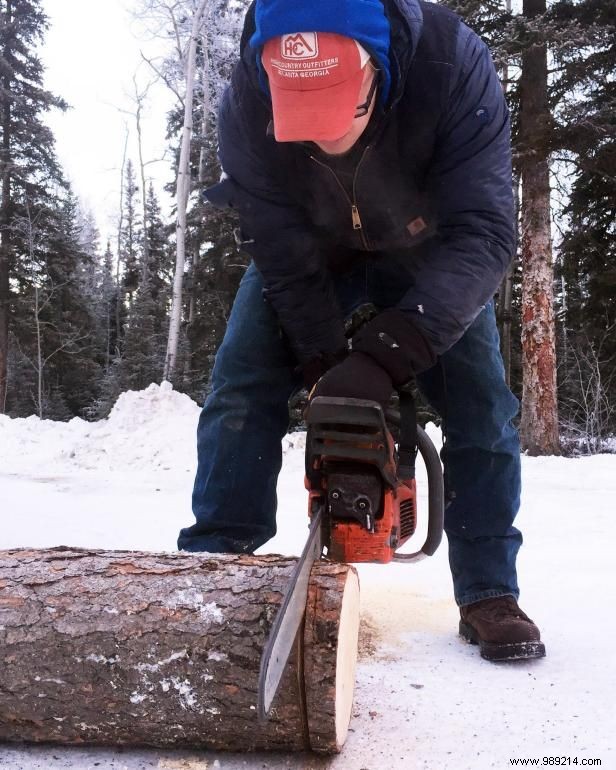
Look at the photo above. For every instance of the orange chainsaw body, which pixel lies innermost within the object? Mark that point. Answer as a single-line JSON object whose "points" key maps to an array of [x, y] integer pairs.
{"points": [[350, 541], [352, 476]]}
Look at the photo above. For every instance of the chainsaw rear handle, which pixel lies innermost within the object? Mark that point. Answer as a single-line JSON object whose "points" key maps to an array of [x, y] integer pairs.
{"points": [[436, 494], [436, 500]]}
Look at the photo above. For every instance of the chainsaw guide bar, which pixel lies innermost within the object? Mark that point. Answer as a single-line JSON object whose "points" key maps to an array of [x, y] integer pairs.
{"points": [[288, 620]]}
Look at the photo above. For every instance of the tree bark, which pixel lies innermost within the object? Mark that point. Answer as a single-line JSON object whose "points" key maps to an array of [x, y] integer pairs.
{"points": [[539, 423], [126, 648]]}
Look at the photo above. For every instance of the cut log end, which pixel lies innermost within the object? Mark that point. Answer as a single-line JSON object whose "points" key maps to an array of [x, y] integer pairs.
{"points": [[332, 626], [346, 657]]}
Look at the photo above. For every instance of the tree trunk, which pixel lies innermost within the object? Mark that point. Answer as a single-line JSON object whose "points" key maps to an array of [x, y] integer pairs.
{"points": [[183, 191], [119, 254], [39, 353], [539, 424], [5, 216], [505, 301], [205, 108], [145, 266], [504, 320], [192, 311], [125, 648], [5, 293], [505, 293]]}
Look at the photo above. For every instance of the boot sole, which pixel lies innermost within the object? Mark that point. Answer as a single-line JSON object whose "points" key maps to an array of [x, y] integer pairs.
{"points": [[502, 652]]}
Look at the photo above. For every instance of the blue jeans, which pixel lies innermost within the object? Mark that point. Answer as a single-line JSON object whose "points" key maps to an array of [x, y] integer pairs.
{"points": [[246, 415]]}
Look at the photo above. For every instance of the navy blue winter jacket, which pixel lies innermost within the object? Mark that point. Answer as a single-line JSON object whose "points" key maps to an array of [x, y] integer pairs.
{"points": [[430, 178]]}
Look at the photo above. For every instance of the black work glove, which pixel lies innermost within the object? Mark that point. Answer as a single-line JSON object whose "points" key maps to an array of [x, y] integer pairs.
{"points": [[358, 376], [315, 368], [396, 344]]}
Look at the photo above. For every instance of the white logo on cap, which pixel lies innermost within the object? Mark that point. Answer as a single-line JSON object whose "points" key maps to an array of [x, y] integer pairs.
{"points": [[301, 45]]}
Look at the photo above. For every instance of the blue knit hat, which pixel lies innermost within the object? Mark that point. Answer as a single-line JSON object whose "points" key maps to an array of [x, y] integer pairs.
{"points": [[362, 20]]}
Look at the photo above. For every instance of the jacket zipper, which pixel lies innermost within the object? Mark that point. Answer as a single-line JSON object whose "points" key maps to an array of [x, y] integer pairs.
{"points": [[355, 216]]}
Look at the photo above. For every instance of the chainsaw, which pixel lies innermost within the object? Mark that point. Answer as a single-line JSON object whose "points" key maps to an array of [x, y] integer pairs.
{"points": [[362, 505]]}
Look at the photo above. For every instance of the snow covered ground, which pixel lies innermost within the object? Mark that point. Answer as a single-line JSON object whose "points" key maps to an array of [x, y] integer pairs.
{"points": [[424, 699]]}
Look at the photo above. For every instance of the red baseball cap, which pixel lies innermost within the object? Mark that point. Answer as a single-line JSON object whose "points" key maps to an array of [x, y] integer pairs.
{"points": [[314, 79]]}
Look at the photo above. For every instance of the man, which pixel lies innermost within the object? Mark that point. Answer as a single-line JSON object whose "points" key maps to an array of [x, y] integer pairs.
{"points": [[365, 145]]}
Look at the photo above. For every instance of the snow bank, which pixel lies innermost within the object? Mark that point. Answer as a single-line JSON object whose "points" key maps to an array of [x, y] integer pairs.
{"points": [[148, 429], [151, 429]]}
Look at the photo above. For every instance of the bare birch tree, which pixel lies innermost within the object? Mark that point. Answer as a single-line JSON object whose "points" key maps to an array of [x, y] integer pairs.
{"points": [[43, 296], [205, 120], [178, 16], [118, 275], [183, 191], [209, 28], [139, 97]]}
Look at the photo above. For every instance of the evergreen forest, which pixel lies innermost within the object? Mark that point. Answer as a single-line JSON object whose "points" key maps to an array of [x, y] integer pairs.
{"points": [[83, 320]]}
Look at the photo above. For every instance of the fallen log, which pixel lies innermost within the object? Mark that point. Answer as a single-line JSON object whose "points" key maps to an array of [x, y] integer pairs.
{"points": [[129, 648]]}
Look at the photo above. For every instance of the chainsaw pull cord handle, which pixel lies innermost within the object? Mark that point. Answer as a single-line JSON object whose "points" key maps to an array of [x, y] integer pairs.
{"points": [[412, 438]]}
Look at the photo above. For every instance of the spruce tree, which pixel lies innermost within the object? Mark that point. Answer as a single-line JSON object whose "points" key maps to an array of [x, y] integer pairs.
{"points": [[108, 292], [131, 240], [145, 337], [585, 130], [26, 153], [141, 358], [216, 269], [160, 263]]}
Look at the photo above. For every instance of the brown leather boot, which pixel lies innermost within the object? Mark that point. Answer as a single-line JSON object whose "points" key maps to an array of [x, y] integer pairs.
{"points": [[501, 629]]}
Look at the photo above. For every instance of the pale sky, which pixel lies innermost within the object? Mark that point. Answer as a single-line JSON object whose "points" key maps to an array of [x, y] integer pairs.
{"points": [[91, 55]]}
